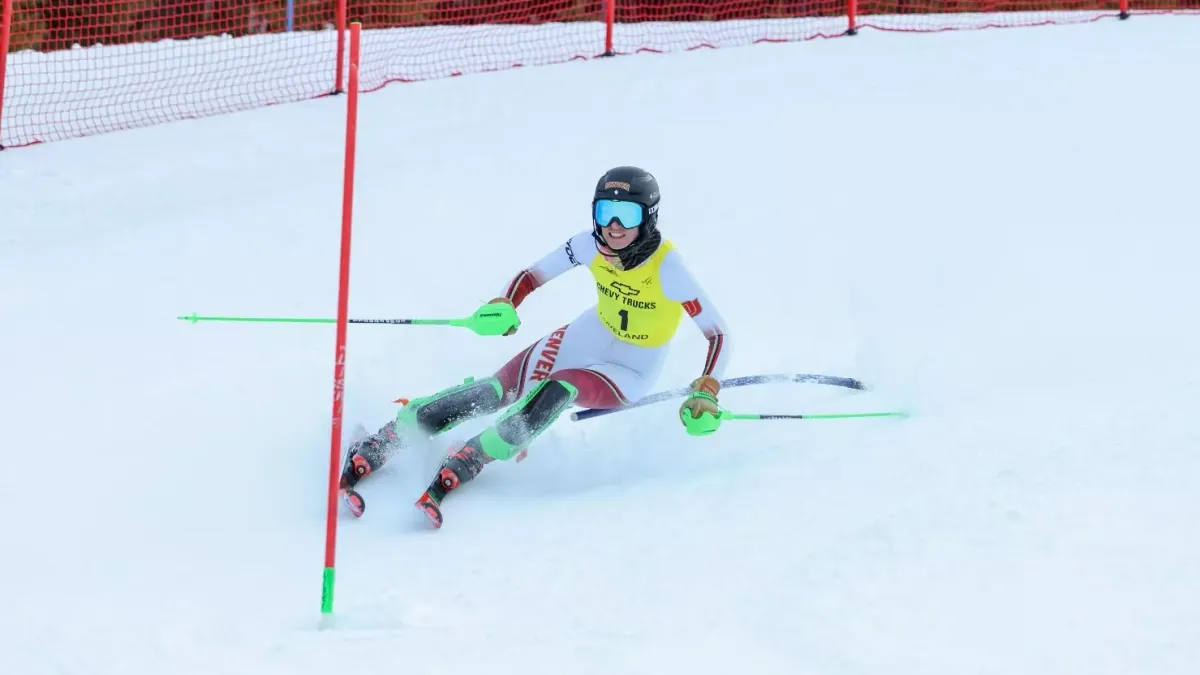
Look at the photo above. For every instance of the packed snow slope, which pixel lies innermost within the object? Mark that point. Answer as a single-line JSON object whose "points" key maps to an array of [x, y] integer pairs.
{"points": [[996, 230]]}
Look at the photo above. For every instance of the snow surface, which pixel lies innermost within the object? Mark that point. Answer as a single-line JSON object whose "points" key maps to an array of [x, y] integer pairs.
{"points": [[997, 230]]}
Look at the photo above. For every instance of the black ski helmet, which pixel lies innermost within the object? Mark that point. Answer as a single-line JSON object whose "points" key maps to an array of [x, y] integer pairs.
{"points": [[633, 184]]}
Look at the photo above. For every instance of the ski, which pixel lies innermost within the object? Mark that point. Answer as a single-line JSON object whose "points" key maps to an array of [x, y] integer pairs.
{"points": [[354, 501], [431, 507], [430, 503]]}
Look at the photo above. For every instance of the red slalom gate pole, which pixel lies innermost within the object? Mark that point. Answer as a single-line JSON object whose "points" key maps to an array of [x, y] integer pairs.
{"points": [[339, 366]]}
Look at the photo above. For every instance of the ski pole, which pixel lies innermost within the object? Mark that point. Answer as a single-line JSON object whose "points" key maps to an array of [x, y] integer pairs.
{"points": [[491, 319], [777, 378], [707, 423], [727, 415]]}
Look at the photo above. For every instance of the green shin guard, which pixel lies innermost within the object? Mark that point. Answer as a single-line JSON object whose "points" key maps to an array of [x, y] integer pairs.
{"points": [[526, 420], [450, 407]]}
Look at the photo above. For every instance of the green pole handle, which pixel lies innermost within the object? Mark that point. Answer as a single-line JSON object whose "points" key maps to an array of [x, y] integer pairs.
{"points": [[495, 318]]}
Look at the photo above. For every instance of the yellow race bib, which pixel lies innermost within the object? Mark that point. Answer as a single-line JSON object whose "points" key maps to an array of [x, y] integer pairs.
{"points": [[631, 302]]}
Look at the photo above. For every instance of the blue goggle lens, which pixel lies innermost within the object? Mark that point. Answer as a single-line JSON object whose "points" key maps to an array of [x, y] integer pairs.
{"points": [[627, 214]]}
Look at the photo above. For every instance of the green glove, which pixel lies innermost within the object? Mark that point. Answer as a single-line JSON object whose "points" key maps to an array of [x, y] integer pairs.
{"points": [[696, 419]]}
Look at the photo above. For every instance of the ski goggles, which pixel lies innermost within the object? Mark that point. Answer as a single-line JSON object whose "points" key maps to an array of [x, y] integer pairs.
{"points": [[627, 214]]}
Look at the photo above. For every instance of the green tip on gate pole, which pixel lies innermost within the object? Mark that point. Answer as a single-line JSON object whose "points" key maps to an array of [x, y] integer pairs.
{"points": [[327, 591]]}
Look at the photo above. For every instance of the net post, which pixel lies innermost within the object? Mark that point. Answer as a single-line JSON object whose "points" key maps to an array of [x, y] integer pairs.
{"points": [[339, 77], [610, 18], [1124, 10], [339, 366], [851, 17], [6, 15]]}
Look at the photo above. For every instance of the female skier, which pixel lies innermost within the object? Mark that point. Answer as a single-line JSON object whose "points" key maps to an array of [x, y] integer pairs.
{"points": [[607, 357]]}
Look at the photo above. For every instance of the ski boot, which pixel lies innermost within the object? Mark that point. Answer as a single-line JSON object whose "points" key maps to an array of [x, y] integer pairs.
{"points": [[508, 438], [460, 466], [428, 416], [362, 458]]}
